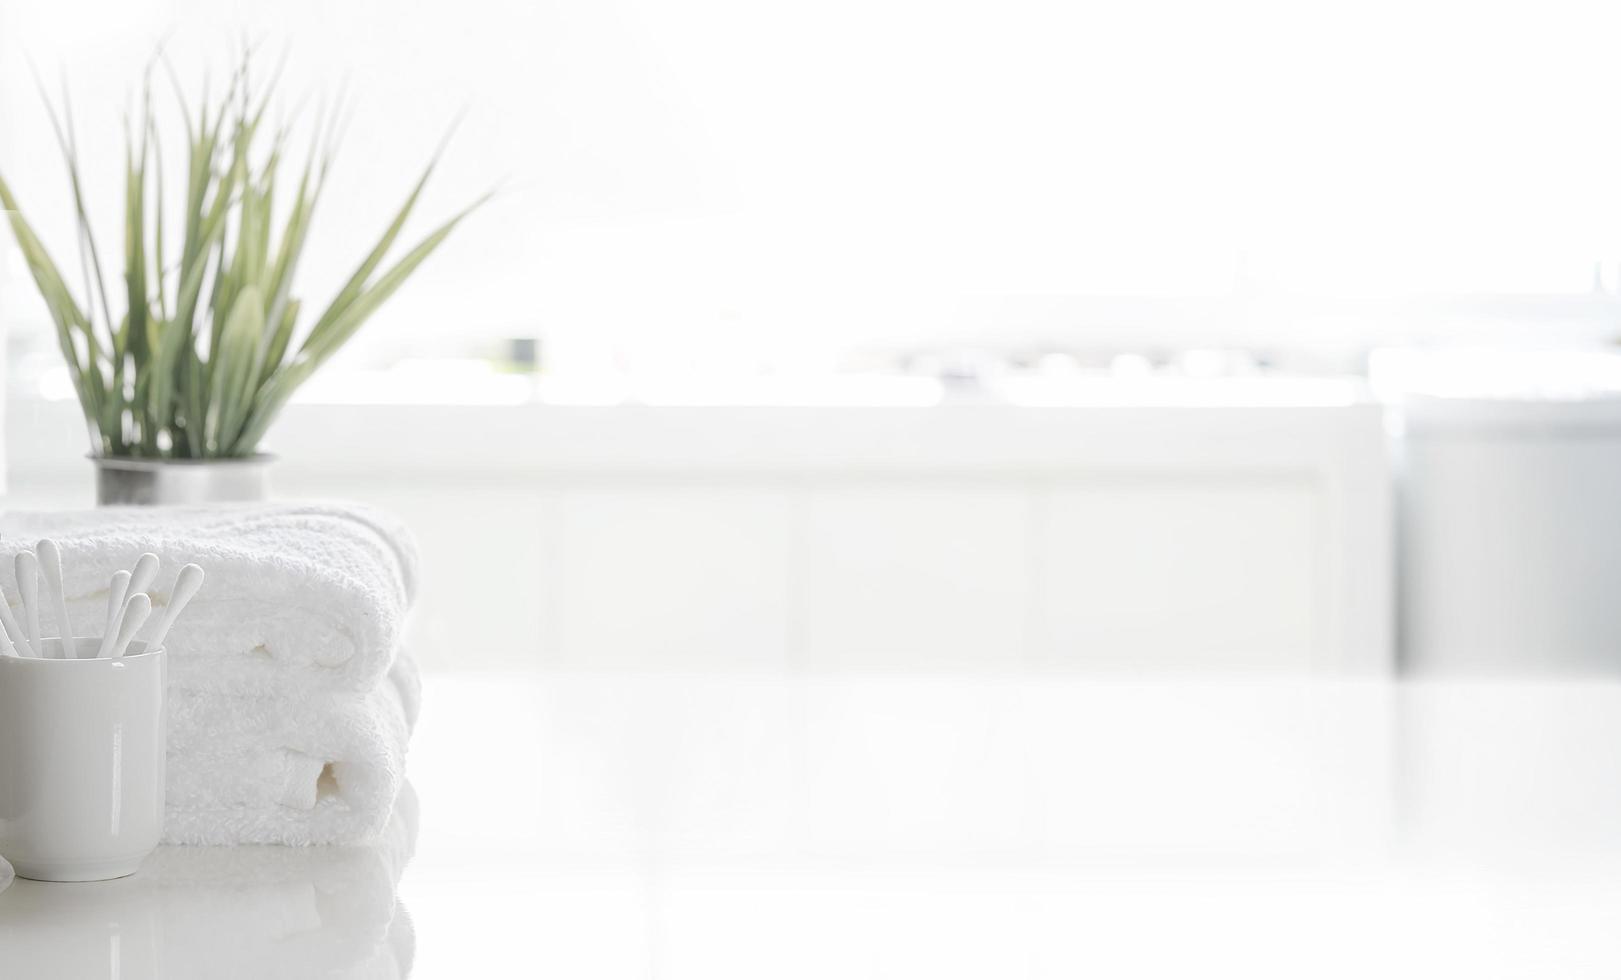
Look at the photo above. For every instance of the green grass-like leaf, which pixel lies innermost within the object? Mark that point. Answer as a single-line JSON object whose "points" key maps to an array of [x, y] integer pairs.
{"points": [[205, 353]]}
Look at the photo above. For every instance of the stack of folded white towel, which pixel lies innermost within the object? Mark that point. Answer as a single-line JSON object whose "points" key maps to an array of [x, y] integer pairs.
{"points": [[290, 706]]}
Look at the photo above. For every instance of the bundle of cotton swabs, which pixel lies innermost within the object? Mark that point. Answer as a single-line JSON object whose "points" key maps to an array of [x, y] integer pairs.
{"points": [[129, 605]]}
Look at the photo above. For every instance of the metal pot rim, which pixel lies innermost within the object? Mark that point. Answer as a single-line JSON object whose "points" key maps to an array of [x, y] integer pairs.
{"points": [[158, 462]]}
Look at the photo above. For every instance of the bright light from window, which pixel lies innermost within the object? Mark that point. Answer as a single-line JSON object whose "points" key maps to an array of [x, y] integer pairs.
{"points": [[730, 175]]}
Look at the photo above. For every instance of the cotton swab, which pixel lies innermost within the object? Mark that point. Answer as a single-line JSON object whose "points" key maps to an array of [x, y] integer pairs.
{"points": [[50, 562], [115, 624], [14, 632], [117, 592], [7, 649], [133, 616], [144, 574], [27, 568], [186, 585]]}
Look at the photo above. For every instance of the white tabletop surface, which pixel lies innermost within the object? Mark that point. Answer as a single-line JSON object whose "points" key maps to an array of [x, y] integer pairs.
{"points": [[636, 825]]}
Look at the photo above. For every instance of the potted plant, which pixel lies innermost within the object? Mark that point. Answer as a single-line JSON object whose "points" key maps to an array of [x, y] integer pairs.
{"points": [[181, 372]]}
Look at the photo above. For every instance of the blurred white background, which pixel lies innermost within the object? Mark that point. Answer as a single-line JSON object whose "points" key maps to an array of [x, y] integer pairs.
{"points": [[897, 334], [719, 186], [849, 443]]}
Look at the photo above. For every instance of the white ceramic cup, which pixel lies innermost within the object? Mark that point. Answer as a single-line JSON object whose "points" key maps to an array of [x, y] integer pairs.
{"points": [[81, 761]]}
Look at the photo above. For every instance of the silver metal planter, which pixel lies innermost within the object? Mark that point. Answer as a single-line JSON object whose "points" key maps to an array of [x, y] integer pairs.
{"points": [[124, 480]]}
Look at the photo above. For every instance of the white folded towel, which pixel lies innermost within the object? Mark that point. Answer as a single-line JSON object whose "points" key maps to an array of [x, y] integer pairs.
{"points": [[298, 597], [312, 769], [242, 912]]}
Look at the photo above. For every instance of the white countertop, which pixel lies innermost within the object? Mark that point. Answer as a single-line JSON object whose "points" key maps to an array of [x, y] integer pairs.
{"points": [[641, 825]]}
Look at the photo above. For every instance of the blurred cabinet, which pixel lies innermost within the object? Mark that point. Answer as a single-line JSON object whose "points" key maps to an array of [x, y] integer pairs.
{"points": [[678, 576], [1189, 570], [912, 574], [1510, 555], [884, 539]]}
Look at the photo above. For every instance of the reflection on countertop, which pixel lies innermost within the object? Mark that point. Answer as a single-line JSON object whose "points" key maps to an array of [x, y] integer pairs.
{"points": [[208, 912], [1025, 824]]}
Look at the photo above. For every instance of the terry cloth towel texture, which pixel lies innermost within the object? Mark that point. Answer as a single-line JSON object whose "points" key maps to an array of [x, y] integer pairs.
{"points": [[305, 598], [290, 707], [321, 769]]}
